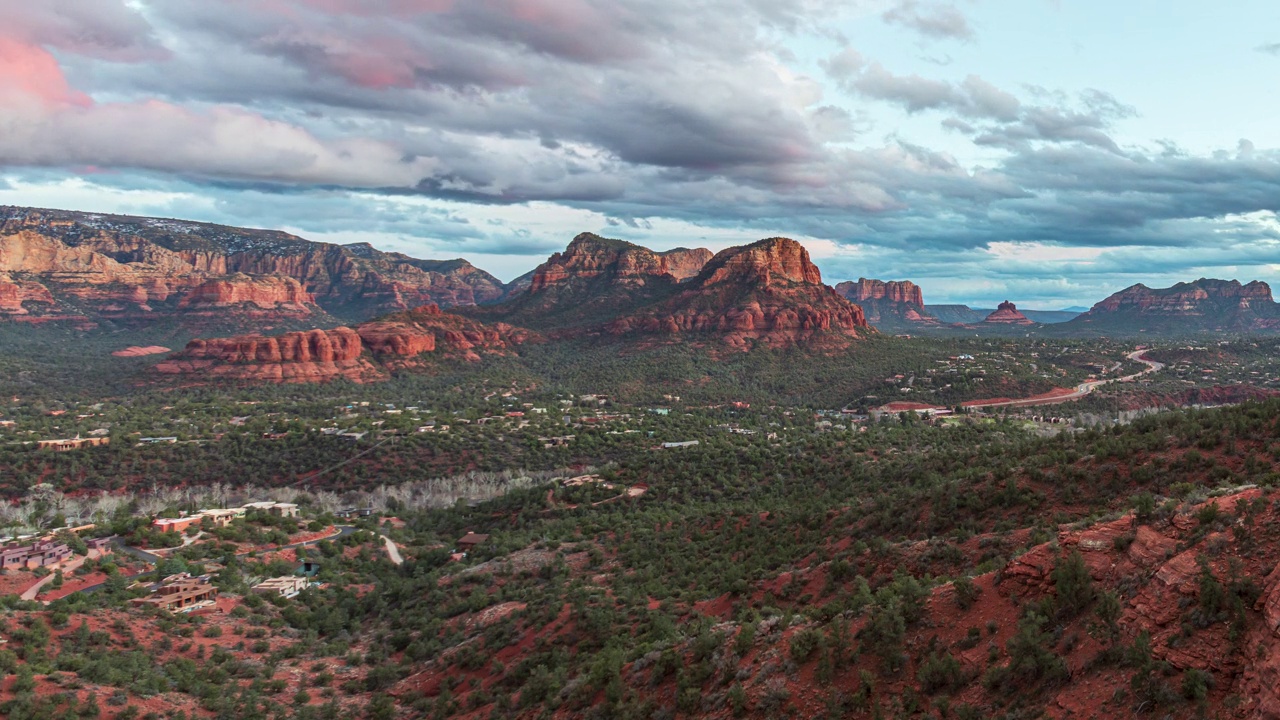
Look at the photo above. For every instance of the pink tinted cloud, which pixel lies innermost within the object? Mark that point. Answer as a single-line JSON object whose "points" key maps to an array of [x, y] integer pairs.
{"points": [[360, 8], [31, 72], [564, 15]]}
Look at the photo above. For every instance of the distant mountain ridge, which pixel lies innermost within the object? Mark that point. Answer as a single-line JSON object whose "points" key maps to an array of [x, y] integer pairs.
{"points": [[1205, 305], [92, 267]]}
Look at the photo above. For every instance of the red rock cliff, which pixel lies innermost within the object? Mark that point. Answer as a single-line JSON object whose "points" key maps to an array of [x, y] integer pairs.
{"points": [[16, 294], [137, 268], [361, 354], [768, 291], [898, 291], [590, 256], [768, 263]]}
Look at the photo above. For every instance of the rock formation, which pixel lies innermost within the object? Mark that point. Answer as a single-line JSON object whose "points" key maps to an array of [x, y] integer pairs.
{"points": [[768, 291], [120, 268], [894, 305], [361, 354], [898, 291], [591, 256], [22, 297], [1205, 305], [593, 280], [1006, 313]]}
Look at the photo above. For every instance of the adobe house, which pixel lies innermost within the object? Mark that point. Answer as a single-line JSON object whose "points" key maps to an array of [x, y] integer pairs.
{"points": [[40, 554], [179, 592], [471, 540], [285, 587], [67, 445]]}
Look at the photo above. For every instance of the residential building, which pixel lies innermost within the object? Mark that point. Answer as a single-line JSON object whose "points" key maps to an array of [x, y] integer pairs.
{"points": [[177, 592], [74, 443], [39, 554], [275, 508], [286, 586], [469, 541]]}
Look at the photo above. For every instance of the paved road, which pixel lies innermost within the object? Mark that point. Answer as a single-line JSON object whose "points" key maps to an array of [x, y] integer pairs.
{"points": [[1080, 390], [71, 566]]}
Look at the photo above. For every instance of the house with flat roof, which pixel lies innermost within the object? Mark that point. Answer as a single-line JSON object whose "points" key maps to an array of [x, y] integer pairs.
{"points": [[69, 444], [275, 508], [43, 553], [286, 586], [178, 592]]}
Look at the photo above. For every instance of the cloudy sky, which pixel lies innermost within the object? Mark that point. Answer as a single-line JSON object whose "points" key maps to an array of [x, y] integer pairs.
{"points": [[1047, 151]]}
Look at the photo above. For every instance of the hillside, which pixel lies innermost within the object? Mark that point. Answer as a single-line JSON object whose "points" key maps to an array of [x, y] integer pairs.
{"points": [[1203, 306], [92, 269]]}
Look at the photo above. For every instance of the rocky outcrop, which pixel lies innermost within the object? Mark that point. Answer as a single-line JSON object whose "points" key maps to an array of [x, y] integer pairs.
{"points": [[1186, 298], [767, 264], [128, 268], [897, 291], [593, 280], [1006, 313], [267, 293], [768, 291], [22, 297], [590, 257], [398, 340], [311, 356], [1205, 305], [894, 305], [361, 354]]}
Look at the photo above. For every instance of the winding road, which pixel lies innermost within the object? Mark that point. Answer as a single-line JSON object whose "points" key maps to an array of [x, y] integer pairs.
{"points": [[1080, 390]]}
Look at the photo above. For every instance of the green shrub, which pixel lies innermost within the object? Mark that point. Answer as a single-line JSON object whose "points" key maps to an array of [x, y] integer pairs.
{"points": [[940, 672], [804, 643]]}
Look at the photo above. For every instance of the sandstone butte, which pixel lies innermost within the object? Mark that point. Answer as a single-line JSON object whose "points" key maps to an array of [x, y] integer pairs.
{"points": [[1006, 313], [767, 291], [898, 291], [361, 354], [880, 300], [126, 268]]}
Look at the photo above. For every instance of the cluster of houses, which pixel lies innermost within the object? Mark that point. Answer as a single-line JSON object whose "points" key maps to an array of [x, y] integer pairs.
{"points": [[40, 554], [221, 517], [183, 592], [44, 553]]}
